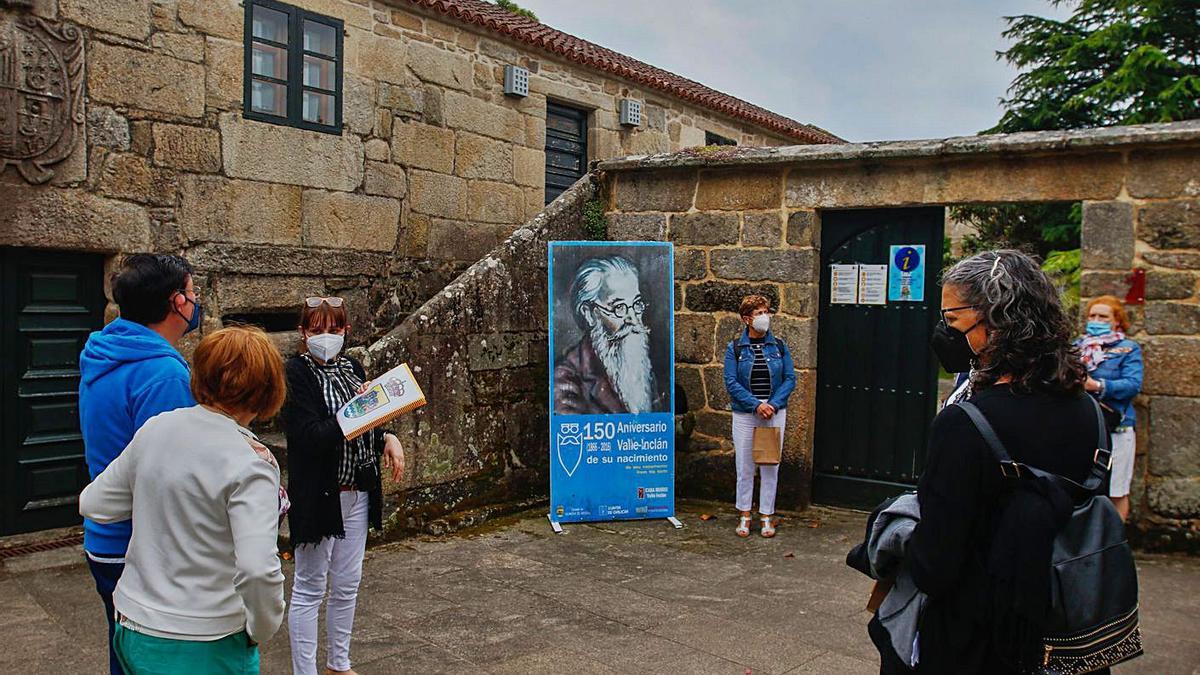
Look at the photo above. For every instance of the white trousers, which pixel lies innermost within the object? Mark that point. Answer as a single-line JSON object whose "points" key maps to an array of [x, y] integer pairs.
{"points": [[1124, 445], [743, 452], [336, 563]]}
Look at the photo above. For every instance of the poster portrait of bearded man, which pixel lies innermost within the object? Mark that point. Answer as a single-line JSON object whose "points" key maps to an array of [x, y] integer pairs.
{"points": [[610, 369]]}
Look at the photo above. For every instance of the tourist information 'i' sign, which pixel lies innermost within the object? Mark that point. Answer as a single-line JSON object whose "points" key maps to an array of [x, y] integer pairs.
{"points": [[612, 381]]}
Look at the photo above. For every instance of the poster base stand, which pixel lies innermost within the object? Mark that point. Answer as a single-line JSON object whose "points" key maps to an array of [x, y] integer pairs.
{"points": [[675, 521], [554, 524]]}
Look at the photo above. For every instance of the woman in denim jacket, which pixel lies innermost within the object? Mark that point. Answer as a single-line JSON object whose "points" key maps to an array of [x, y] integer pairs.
{"points": [[1114, 365], [760, 377]]}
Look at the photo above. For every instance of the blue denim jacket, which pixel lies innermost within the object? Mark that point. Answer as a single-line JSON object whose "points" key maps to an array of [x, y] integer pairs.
{"points": [[739, 359], [1121, 374]]}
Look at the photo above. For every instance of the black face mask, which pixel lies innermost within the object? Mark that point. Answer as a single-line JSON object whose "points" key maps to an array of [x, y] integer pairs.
{"points": [[951, 347]]}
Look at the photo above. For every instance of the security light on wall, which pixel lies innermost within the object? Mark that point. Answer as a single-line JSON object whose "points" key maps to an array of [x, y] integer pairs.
{"points": [[631, 112], [516, 81]]}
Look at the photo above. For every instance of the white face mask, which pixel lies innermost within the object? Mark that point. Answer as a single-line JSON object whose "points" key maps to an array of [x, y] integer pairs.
{"points": [[325, 346], [761, 323]]}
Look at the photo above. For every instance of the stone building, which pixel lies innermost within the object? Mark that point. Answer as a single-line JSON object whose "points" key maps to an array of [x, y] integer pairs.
{"points": [[364, 148]]}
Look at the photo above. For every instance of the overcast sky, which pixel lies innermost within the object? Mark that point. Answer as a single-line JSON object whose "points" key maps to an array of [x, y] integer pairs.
{"points": [[863, 69]]}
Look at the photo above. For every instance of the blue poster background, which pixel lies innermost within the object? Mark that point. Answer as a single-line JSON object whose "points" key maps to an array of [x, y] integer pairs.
{"points": [[906, 273], [614, 466]]}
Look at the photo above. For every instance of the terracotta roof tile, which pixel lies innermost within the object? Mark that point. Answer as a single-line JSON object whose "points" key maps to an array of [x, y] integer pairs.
{"points": [[571, 48]]}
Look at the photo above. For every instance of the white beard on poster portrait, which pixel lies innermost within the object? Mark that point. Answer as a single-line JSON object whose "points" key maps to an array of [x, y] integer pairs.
{"points": [[626, 358]]}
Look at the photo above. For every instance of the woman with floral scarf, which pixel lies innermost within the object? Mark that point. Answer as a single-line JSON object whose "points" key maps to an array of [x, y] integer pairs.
{"points": [[1114, 368]]}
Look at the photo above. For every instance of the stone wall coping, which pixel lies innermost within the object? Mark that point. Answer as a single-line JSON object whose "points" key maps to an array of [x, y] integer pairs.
{"points": [[1024, 143]]}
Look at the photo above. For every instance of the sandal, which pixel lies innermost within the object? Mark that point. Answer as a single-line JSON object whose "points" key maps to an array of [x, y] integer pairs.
{"points": [[768, 527], [743, 528]]}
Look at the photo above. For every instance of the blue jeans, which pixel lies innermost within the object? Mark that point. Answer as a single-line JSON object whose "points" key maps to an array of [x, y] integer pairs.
{"points": [[106, 576]]}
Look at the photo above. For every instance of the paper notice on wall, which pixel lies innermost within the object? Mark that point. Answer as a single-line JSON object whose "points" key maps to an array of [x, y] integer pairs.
{"points": [[843, 284], [872, 284]]}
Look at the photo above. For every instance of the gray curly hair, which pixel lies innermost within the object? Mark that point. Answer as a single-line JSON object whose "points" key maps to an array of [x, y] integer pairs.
{"points": [[1029, 334]]}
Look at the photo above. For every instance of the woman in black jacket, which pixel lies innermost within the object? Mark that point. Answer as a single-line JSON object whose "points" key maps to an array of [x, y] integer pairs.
{"points": [[334, 485], [988, 586]]}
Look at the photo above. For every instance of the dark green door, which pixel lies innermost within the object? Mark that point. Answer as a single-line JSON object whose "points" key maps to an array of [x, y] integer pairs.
{"points": [[566, 148], [49, 302], [876, 376]]}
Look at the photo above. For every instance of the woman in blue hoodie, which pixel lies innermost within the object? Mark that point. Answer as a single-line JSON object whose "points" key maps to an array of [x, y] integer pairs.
{"points": [[1114, 375], [130, 372], [759, 377]]}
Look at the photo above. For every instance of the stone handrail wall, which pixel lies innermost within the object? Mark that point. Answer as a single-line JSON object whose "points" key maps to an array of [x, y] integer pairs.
{"points": [[478, 350], [748, 219]]}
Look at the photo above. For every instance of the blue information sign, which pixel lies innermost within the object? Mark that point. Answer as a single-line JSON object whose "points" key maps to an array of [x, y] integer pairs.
{"points": [[906, 273], [612, 425]]}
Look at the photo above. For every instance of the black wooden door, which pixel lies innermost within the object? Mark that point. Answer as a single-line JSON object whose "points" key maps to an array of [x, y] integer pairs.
{"points": [[49, 302], [566, 148], [876, 376]]}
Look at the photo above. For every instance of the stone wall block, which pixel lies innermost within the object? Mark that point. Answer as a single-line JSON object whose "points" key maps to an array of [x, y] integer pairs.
{"points": [[482, 157], [491, 202], [714, 384], [385, 180], [343, 220], [690, 263], [189, 47], [377, 150], [186, 147], [704, 228], [279, 154], [131, 177], [358, 103], [1094, 283], [1174, 497], [800, 299], [1170, 224], [737, 190], [49, 217], [655, 190], [223, 75], [723, 296], [802, 228], [216, 209], [529, 166], [423, 146], [1107, 237], [437, 194], [801, 337], [691, 380], [1175, 436], [1164, 173], [467, 113], [136, 79], [718, 424], [222, 18], [1180, 260], [244, 293], [440, 66], [107, 129], [762, 228], [1172, 318], [694, 338], [460, 240], [1172, 366], [789, 265], [1163, 285], [408, 98], [127, 18], [639, 227], [498, 351], [380, 58]]}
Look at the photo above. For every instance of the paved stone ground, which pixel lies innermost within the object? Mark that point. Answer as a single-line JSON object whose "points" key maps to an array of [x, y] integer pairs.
{"points": [[633, 597]]}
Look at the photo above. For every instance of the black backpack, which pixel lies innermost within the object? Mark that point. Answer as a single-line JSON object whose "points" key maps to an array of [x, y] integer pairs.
{"points": [[1093, 580]]}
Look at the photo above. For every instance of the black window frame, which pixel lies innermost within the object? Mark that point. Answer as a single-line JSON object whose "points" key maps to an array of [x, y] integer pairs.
{"points": [[294, 84], [717, 139]]}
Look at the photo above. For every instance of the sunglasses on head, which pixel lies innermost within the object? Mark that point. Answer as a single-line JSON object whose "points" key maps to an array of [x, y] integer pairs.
{"points": [[316, 301]]}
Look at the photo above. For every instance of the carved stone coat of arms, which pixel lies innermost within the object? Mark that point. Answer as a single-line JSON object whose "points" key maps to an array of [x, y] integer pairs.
{"points": [[41, 94]]}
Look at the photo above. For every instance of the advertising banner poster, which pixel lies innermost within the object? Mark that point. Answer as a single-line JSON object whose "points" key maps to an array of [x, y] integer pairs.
{"points": [[612, 380]]}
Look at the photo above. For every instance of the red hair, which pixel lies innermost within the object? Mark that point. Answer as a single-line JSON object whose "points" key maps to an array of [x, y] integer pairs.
{"points": [[1122, 319], [239, 370]]}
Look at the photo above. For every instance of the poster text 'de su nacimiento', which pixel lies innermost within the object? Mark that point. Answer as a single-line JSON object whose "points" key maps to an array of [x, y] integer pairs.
{"points": [[612, 380]]}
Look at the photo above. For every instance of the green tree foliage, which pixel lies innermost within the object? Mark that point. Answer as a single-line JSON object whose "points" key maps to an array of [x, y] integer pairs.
{"points": [[1111, 62], [516, 9]]}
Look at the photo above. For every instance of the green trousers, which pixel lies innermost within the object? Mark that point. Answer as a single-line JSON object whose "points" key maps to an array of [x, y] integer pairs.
{"points": [[142, 654]]}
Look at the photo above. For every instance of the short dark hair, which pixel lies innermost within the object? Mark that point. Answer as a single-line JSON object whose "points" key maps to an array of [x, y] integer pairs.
{"points": [[146, 283]]}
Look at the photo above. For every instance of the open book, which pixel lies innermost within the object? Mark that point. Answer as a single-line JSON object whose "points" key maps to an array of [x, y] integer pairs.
{"points": [[386, 398]]}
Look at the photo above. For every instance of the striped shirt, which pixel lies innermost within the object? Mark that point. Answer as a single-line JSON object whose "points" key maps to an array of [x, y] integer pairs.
{"points": [[760, 374], [339, 383]]}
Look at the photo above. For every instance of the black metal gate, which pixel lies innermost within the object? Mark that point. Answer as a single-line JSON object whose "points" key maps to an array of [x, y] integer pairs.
{"points": [[566, 148], [876, 376], [49, 302]]}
